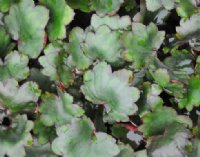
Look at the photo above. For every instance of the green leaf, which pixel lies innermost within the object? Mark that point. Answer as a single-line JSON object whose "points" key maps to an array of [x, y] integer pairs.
{"points": [[191, 97], [43, 81], [18, 99], [156, 121], [142, 43], [54, 64], [103, 44], [190, 28], [153, 5], [171, 143], [125, 151], [40, 151], [44, 133], [14, 138], [74, 48], [180, 61], [14, 66], [113, 22], [29, 34], [161, 76], [102, 87], [5, 4], [80, 140], [60, 16], [83, 5], [59, 110], [150, 99], [186, 8], [5, 41], [103, 7]]}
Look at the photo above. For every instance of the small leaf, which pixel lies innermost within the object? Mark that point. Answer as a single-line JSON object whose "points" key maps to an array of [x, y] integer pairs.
{"points": [[83, 5], [14, 138], [161, 77], [142, 43], [191, 97], [150, 99], [78, 57], [186, 8], [44, 133], [80, 140], [6, 4], [103, 7], [60, 16], [18, 99], [54, 64], [29, 34], [103, 88], [103, 44], [59, 110], [15, 66], [156, 121]]}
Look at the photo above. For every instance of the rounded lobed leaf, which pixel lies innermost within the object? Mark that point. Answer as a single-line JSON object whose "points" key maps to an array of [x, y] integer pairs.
{"points": [[104, 88], [29, 35], [79, 140]]}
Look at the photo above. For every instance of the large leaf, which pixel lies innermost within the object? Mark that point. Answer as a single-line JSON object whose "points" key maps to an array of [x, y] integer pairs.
{"points": [[59, 110], [15, 66], [191, 98], [104, 88], [153, 5], [29, 34], [171, 144], [142, 43], [54, 64], [61, 15], [80, 140], [156, 121], [18, 99], [15, 137]]}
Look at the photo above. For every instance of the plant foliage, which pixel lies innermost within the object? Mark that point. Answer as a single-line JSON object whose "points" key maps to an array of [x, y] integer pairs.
{"points": [[99, 78]]}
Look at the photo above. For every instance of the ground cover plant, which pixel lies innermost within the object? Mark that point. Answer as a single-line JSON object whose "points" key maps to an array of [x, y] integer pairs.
{"points": [[99, 78]]}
